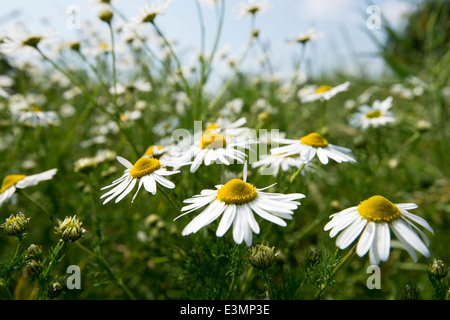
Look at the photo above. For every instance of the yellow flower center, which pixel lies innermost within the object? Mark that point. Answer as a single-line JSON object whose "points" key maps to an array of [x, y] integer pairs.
{"points": [[36, 109], [11, 180], [373, 114], [314, 140], [237, 191], [144, 166], [103, 46], [212, 126], [213, 140], [323, 89], [151, 150], [378, 209]]}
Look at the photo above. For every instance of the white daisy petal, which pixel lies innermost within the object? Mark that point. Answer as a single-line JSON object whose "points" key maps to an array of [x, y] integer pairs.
{"points": [[383, 241], [226, 221], [366, 239]]}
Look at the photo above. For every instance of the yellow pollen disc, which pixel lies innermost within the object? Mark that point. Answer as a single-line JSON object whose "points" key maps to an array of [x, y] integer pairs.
{"points": [[11, 180], [314, 140], [150, 150], [378, 209], [322, 89], [212, 126], [36, 109], [103, 46], [373, 114], [213, 140], [237, 191], [144, 166]]}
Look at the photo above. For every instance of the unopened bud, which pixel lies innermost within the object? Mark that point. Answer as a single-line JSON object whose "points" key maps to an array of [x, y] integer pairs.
{"points": [[106, 14], [54, 290], [262, 256], [34, 269], [70, 229], [410, 292], [15, 224], [438, 269], [314, 257], [34, 252]]}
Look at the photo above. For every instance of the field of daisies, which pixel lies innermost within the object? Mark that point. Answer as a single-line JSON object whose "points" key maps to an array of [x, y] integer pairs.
{"points": [[125, 176]]}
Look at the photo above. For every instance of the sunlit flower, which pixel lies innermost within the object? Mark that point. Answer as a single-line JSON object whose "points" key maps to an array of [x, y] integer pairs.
{"points": [[252, 7], [325, 93], [237, 201], [372, 220], [213, 146], [20, 181], [18, 39], [272, 163], [310, 35], [311, 145], [140, 85], [145, 172], [37, 117], [150, 12], [375, 116]]}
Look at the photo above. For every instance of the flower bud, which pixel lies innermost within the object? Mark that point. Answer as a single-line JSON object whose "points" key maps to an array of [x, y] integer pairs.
{"points": [[262, 256], [15, 224], [105, 14], [410, 292], [70, 229], [54, 290], [438, 269], [34, 252], [34, 269], [314, 257]]}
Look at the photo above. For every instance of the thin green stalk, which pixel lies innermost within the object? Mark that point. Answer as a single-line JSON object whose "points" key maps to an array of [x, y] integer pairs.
{"points": [[336, 269], [322, 119], [175, 57], [296, 173], [34, 202], [227, 85], [101, 260], [113, 56]]}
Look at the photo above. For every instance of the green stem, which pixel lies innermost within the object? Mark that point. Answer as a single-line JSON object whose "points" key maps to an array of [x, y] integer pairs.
{"points": [[336, 269], [113, 56], [227, 84], [322, 120], [296, 173], [5, 289], [175, 57], [34, 202], [101, 260]]}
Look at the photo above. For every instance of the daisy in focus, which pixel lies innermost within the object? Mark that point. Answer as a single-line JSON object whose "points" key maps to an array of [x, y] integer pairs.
{"points": [[20, 181], [372, 220], [145, 172], [237, 201], [216, 145], [311, 145], [375, 116], [325, 93]]}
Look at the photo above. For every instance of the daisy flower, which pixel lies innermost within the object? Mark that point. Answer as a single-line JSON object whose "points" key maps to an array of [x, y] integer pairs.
{"points": [[325, 93], [311, 145], [20, 181], [252, 7], [375, 116], [237, 201], [304, 37], [146, 171], [19, 39], [272, 163], [372, 220], [213, 146]]}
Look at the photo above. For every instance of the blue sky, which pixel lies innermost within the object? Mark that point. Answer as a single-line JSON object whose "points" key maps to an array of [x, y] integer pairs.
{"points": [[342, 21]]}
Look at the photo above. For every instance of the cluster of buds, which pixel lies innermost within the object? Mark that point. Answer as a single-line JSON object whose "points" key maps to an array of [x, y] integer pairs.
{"points": [[70, 229], [15, 225], [262, 256], [34, 264]]}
